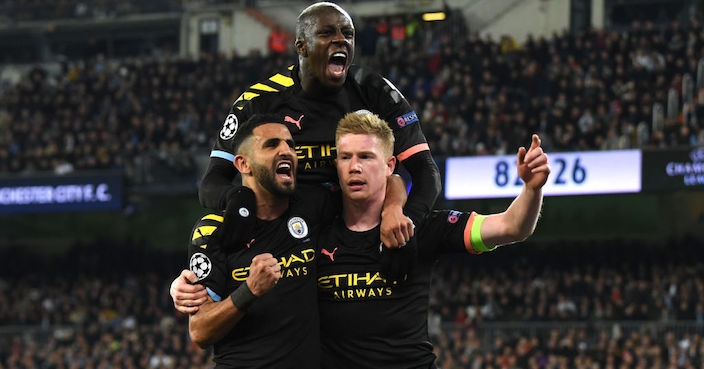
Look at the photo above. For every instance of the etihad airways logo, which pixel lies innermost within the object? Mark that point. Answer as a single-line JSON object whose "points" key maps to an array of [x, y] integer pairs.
{"points": [[347, 286], [316, 156], [294, 265]]}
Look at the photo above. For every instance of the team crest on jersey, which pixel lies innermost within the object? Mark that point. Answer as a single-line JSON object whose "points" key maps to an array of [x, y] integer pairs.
{"points": [[201, 265], [297, 227], [453, 216], [229, 128]]}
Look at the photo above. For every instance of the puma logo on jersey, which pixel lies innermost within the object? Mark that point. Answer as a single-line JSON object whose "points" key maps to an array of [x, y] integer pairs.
{"points": [[330, 254], [288, 119]]}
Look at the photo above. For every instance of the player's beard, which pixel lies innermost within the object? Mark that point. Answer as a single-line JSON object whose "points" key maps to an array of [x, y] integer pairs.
{"points": [[267, 179]]}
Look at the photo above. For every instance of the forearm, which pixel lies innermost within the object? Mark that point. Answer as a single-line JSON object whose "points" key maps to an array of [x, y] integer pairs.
{"points": [[213, 321], [216, 181], [396, 195], [524, 212], [426, 185]]}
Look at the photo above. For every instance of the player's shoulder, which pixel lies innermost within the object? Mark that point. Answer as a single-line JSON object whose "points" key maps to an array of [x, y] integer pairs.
{"points": [[375, 86], [313, 200], [366, 77], [204, 228], [270, 87]]}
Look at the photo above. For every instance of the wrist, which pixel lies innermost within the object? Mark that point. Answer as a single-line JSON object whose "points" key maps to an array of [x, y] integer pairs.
{"points": [[243, 297]]}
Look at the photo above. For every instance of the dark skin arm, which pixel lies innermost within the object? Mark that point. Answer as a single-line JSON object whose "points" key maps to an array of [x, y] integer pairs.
{"points": [[426, 188], [216, 182], [396, 227], [402, 212]]}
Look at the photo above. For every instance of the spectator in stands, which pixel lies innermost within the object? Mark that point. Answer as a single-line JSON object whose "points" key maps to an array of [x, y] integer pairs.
{"points": [[593, 69], [278, 41]]}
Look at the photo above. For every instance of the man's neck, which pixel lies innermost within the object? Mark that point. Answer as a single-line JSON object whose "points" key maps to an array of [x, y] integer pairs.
{"points": [[269, 206], [361, 215], [312, 87]]}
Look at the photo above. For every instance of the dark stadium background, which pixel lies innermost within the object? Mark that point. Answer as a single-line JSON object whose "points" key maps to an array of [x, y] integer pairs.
{"points": [[607, 281]]}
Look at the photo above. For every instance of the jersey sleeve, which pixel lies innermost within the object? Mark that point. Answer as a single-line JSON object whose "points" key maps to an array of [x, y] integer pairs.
{"points": [[207, 260], [450, 231], [239, 112], [256, 99], [390, 104]]}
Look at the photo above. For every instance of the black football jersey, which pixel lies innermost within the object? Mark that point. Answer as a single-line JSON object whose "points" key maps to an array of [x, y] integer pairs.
{"points": [[312, 120], [367, 321], [280, 328]]}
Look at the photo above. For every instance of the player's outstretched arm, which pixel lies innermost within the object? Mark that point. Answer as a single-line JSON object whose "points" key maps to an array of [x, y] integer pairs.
{"points": [[186, 295], [519, 220], [215, 319]]}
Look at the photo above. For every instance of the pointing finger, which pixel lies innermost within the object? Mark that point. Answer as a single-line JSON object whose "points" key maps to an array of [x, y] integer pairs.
{"points": [[535, 142]]}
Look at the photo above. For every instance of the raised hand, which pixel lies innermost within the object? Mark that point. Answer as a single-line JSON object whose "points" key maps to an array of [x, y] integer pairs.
{"points": [[532, 164]]}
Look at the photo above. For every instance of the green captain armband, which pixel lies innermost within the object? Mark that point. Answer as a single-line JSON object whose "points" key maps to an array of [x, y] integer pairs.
{"points": [[476, 235]]}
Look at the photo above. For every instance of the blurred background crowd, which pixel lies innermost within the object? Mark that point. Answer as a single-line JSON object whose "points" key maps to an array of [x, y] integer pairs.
{"points": [[566, 304], [602, 304], [642, 87]]}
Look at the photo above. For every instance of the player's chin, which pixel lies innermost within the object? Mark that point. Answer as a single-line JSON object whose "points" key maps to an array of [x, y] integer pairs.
{"points": [[287, 187], [335, 81], [356, 193]]}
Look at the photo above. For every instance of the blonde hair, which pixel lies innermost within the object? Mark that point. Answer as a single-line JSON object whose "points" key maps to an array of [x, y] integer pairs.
{"points": [[367, 123]]}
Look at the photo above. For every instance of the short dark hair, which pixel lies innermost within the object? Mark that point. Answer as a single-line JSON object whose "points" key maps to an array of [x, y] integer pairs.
{"points": [[245, 130], [308, 17]]}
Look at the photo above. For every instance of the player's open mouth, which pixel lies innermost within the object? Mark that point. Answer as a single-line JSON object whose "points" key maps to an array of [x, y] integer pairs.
{"points": [[285, 170], [337, 63], [355, 185]]}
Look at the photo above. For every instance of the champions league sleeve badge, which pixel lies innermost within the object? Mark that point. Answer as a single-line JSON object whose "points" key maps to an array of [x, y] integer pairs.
{"points": [[229, 127], [297, 227], [201, 265]]}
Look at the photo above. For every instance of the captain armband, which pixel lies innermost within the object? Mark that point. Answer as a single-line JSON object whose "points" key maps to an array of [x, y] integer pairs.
{"points": [[243, 297], [476, 235]]}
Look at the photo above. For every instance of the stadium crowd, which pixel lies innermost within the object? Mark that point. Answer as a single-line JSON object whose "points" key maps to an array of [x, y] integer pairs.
{"points": [[591, 90], [39, 10], [113, 309]]}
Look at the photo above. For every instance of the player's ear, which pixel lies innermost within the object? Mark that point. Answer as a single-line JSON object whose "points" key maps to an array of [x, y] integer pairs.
{"points": [[242, 164], [391, 164], [301, 48]]}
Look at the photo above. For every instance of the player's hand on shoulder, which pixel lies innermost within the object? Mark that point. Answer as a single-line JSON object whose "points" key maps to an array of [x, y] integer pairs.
{"points": [[238, 221], [264, 273], [533, 166], [186, 295], [396, 229]]}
